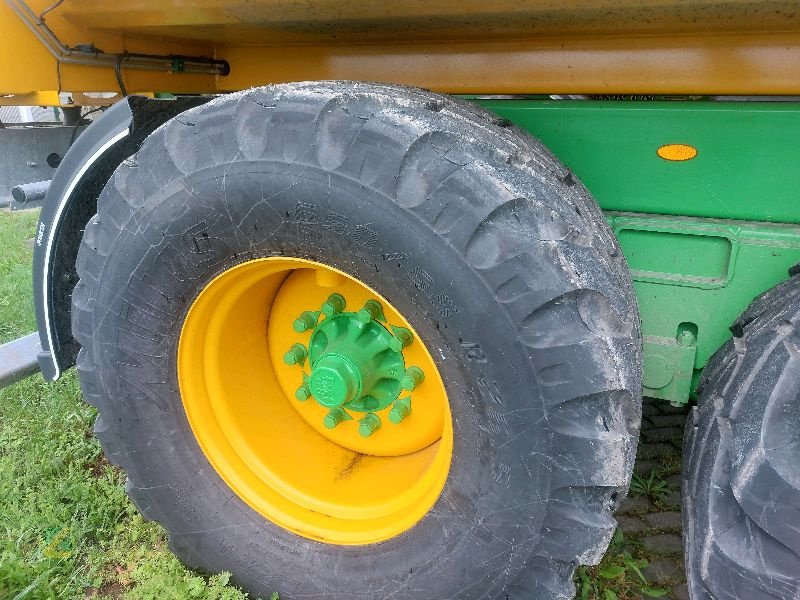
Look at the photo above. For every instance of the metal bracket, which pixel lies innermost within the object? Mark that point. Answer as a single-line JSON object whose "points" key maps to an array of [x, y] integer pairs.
{"points": [[668, 367]]}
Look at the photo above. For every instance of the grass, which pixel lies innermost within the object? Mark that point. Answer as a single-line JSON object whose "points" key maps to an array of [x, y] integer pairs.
{"points": [[652, 487], [67, 530], [618, 576]]}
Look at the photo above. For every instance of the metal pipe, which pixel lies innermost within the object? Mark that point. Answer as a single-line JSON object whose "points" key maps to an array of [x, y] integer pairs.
{"points": [[19, 359], [30, 192], [76, 56]]}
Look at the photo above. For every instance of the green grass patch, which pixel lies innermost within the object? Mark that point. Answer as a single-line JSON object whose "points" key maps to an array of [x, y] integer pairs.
{"points": [[651, 486], [67, 529], [618, 576]]}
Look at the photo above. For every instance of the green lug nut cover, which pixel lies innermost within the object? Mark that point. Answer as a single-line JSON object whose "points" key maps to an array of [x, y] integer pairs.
{"points": [[400, 410], [372, 311], [296, 355], [302, 393], [369, 425], [307, 320], [401, 338], [334, 417], [412, 378], [333, 305]]}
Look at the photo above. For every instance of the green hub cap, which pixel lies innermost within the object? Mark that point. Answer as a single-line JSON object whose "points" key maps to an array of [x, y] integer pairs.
{"points": [[335, 380], [356, 364]]}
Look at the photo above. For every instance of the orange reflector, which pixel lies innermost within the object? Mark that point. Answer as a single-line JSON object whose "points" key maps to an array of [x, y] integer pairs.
{"points": [[677, 152]]}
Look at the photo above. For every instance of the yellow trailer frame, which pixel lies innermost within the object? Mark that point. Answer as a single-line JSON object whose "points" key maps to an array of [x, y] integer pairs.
{"points": [[742, 47]]}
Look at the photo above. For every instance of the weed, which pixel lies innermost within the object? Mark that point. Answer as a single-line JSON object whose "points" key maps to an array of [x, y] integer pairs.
{"points": [[653, 488], [618, 576]]}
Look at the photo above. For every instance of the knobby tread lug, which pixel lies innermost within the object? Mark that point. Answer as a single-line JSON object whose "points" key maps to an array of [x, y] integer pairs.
{"points": [[739, 521], [580, 510]]}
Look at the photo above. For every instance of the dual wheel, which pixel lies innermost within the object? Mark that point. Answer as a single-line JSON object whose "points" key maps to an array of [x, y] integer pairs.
{"points": [[361, 341], [741, 489]]}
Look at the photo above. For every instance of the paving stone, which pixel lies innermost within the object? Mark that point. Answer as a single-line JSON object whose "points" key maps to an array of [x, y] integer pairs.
{"points": [[631, 525], [655, 450], [669, 519], [635, 504], [663, 543], [663, 434], [680, 592], [670, 461], [668, 420], [662, 568], [674, 499], [660, 444]]}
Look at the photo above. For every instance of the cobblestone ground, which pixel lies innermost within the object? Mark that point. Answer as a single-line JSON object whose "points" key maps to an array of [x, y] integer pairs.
{"points": [[655, 521]]}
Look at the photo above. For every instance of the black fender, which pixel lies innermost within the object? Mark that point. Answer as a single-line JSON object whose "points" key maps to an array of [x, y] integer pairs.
{"points": [[71, 201]]}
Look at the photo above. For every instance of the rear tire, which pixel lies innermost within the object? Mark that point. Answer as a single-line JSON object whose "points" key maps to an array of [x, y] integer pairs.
{"points": [[490, 249], [741, 489]]}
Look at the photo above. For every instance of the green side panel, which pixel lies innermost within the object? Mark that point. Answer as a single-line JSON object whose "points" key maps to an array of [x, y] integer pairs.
{"points": [[703, 236], [746, 166], [693, 277]]}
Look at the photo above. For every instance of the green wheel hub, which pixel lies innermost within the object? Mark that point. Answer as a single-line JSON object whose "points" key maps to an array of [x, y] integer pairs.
{"points": [[356, 364]]}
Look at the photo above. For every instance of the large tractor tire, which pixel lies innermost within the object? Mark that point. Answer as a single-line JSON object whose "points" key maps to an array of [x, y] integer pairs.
{"points": [[741, 489], [361, 341]]}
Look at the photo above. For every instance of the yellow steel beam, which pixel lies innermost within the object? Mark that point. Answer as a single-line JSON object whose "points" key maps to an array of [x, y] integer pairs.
{"points": [[740, 64], [31, 99], [26, 66], [459, 46], [285, 22]]}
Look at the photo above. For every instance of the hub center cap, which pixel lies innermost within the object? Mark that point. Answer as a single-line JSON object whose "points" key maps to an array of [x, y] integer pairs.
{"points": [[335, 380], [356, 364]]}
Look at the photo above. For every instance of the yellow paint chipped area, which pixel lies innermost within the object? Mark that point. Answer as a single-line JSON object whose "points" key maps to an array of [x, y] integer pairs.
{"points": [[316, 483], [677, 152]]}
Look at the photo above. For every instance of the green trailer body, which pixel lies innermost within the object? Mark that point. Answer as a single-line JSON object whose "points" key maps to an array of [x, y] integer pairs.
{"points": [[703, 236]]}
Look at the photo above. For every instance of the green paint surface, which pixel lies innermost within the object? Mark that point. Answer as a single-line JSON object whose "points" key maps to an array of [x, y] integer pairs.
{"points": [[746, 166], [702, 237]]}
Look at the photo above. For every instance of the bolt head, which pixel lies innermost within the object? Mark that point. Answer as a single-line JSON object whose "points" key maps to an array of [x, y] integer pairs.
{"points": [[369, 425]]}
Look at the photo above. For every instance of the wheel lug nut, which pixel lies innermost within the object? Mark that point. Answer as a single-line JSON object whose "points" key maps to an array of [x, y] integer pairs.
{"points": [[372, 310], [307, 320], [400, 410], [303, 393], [412, 378], [334, 417], [333, 305], [369, 425], [296, 355], [401, 337]]}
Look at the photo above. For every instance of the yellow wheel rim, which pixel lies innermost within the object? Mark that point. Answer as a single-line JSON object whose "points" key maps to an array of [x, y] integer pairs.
{"points": [[275, 453]]}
